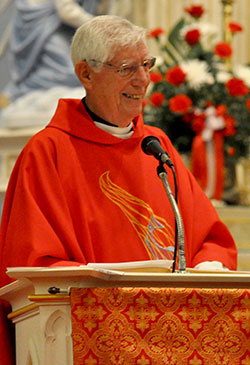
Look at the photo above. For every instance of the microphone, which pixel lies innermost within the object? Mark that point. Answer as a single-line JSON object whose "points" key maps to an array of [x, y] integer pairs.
{"points": [[152, 146]]}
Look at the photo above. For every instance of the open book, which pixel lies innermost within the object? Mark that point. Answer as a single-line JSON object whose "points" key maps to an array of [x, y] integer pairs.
{"points": [[136, 266]]}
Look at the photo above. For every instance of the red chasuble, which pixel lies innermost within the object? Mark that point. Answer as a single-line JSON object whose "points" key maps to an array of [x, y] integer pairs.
{"points": [[78, 194]]}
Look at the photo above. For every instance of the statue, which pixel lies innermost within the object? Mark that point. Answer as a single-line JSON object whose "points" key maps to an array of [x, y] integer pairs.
{"points": [[42, 71]]}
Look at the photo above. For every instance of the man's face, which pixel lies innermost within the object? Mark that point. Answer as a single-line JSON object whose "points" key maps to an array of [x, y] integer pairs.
{"points": [[117, 98]]}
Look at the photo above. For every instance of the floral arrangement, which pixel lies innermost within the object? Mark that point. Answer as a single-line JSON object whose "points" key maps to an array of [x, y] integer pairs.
{"points": [[194, 96]]}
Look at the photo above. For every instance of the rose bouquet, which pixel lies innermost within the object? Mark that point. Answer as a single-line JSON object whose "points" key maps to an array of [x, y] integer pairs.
{"points": [[198, 100]]}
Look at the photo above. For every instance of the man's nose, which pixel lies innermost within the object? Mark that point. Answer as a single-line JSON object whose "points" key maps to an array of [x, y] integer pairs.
{"points": [[141, 76]]}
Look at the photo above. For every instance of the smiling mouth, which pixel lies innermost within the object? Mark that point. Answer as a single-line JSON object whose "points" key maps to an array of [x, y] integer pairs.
{"points": [[132, 96]]}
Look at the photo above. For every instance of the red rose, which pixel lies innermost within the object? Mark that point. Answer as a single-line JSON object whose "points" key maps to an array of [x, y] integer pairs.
{"points": [[195, 11], [248, 105], [154, 33], [157, 98], [235, 27], [221, 110], [230, 126], [156, 76], [231, 151], [192, 37], [198, 123], [175, 76], [208, 103], [180, 103], [236, 87], [223, 50]]}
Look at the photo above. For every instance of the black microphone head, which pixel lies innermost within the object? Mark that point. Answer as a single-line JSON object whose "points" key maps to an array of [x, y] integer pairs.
{"points": [[147, 143], [151, 145]]}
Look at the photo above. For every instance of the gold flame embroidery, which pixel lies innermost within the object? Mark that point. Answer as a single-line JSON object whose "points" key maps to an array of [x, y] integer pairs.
{"points": [[153, 231]]}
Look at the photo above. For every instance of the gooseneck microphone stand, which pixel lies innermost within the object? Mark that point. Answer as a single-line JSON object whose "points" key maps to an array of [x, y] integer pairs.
{"points": [[180, 230]]}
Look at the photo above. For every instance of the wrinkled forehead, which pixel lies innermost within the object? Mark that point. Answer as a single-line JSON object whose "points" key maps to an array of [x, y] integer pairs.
{"points": [[129, 54]]}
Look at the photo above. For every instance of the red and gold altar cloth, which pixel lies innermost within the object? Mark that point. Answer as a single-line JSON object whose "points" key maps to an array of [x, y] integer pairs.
{"points": [[160, 326]]}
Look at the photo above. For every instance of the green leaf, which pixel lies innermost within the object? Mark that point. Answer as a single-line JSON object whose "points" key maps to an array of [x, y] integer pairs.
{"points": [[175, 39]]}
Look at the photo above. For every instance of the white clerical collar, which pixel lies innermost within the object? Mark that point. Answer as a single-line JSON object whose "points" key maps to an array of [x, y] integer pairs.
{"points": [[123, 133]]}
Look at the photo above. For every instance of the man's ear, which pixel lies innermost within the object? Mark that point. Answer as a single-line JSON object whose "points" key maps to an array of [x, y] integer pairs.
{"points": [[83, 73]]}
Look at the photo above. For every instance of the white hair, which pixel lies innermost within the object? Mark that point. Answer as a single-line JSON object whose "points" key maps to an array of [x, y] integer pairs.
{"points": [[101, 37]]}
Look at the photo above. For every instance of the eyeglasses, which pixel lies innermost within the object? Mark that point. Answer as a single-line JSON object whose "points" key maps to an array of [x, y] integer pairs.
{"points": [[127, 70]]}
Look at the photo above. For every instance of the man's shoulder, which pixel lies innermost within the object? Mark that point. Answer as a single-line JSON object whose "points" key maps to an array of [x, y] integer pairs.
{"points": [[44, 140]]}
